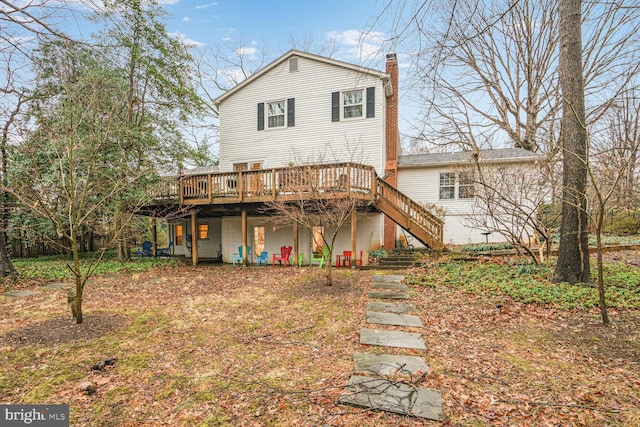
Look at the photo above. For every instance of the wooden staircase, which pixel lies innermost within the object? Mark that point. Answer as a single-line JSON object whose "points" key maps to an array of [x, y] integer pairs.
{"points": [[413, 217]]}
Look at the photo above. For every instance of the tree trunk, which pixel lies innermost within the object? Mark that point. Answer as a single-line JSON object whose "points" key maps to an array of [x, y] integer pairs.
{"points": [[573, 253], [5, 263]]}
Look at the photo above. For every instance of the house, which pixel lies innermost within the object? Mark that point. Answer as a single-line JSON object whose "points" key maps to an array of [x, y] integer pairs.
{"points": [[302, 119], [455, 189]]}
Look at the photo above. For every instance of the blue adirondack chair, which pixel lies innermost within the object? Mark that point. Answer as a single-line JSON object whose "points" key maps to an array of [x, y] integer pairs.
{"points": [[237, 257], [263, 258], [165, 251], [146, 249]]}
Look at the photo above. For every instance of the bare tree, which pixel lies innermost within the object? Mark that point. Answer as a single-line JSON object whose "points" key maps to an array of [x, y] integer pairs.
{"points": [[612, 172], [506, 200], [613, 146], [315, 203]]}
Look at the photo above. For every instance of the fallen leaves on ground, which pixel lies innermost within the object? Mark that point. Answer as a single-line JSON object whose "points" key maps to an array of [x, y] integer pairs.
{"points": [[215, 345]]}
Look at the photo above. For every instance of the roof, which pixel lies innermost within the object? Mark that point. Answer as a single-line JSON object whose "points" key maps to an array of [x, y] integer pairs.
{"points": [[498, 156], [301, 54], [201, 170]]}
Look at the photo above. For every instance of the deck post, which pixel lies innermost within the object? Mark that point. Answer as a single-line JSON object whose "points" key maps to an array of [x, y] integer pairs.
{"points": [[245, 255], [295, 242], [273, 184], [154, 237], [240, 186], [194, 238], [354, 221]]}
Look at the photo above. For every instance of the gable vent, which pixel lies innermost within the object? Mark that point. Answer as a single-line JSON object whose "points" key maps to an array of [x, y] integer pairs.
{"points": [[293, 64]]}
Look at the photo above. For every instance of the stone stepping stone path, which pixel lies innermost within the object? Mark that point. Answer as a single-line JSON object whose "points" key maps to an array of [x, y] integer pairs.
{"points": [[387, 295], [389, 307], [381, 393], [386, 338], [388, 364], [393, 396], [393, 319]]}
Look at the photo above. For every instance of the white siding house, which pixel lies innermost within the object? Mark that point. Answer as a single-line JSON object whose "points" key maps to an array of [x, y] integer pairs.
{"points": [[304, 109], [286, 114]]}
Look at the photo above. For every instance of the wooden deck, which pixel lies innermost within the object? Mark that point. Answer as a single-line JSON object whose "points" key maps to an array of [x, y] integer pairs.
{"points": [[338, 180]]}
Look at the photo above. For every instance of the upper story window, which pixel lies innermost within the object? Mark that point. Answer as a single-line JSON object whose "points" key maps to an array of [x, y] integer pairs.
{"points": [[275, 114], [352, 104], [454, 185]]}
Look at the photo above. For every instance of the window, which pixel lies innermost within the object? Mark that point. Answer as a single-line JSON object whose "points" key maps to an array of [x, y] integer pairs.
{"points": [[203, 231], [275, 114], [352, 104], [178, 235], [456, 186], [465, 185], [278, 114], [447, 186]]}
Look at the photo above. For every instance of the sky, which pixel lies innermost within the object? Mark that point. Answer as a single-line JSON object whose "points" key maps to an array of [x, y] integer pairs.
{"points": [[269, 25]]}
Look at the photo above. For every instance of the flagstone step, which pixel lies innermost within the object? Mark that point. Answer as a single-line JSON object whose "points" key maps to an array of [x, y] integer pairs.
{"points": [[389, 285], [393, 396], [388, 278], [392, 338], [390, 307], [389, 364], [387, 295], [396, 319]]}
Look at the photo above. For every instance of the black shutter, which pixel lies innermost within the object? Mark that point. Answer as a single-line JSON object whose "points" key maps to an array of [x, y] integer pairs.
{"points": [[261, 116], [335, 106], [291, 112], [371, 102]]}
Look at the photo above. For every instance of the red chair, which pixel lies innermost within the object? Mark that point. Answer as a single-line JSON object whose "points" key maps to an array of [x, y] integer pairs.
{"points": [[344, 260], [359, 261], [285, 253]]}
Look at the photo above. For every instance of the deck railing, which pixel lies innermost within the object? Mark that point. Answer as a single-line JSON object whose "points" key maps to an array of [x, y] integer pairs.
{"points": [[275, 183]]}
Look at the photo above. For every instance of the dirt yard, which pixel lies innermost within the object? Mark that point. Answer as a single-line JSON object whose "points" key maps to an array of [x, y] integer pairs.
{"points": [[214, 345]]}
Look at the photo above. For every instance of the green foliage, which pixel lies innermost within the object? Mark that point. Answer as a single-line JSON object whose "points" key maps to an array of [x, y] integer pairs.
{"points": [[528, 283], [483, 247], [377, 253], [623, 222], [56, 268]]}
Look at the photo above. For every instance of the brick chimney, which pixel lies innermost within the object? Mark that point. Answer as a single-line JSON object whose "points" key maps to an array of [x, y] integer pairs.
{"points": [[392, 143]]}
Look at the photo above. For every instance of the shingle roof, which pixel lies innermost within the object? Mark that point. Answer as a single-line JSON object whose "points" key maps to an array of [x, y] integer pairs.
{"points": [[497, 155]]}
